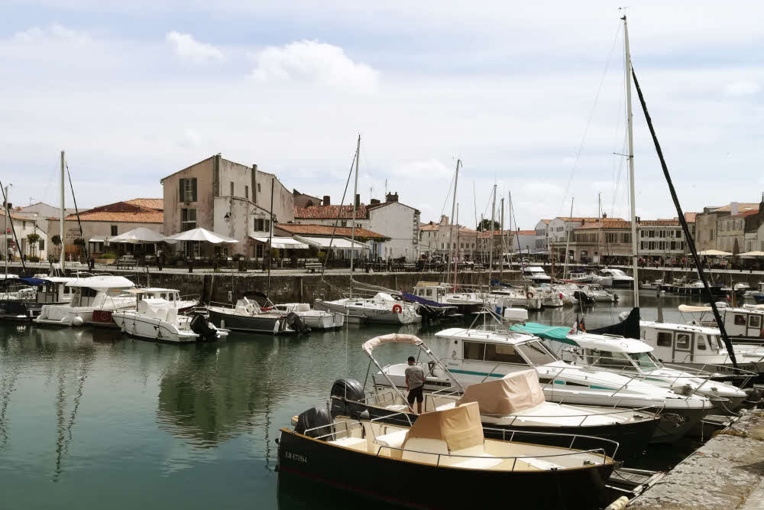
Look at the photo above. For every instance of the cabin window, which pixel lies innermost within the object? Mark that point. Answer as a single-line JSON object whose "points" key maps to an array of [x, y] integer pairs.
{"points": [[713, 341], [739, 319], [700, 342], [536, 353], [502, 353], [754, 321], [429, 292], [664, 339], [473, 350], [608, 359], [683, 341]]}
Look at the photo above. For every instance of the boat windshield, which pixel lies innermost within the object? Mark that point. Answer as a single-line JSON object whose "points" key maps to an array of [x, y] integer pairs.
{"points": [[645, 361], [713, 342], [609, 359], [536, 353]]}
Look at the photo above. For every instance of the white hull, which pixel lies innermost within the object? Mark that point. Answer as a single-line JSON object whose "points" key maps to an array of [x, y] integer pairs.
{"points": [[150, 328], [367, 311]]}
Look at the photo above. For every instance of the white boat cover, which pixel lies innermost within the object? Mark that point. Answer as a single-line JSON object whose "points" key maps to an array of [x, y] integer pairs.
{"points": [[512, 393], [691, 308], [282, 243], [201, 234], [459, 427], [392, 338], [609, 343], [102, 282]]}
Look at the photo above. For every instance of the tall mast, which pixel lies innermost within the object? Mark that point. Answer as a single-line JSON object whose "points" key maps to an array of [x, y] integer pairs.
{"points": [[501, 267], [451, 226], [491, 229], [62, 214], [632, 199], [5, 229], [567, 243], [352, 227], [456, 244], [599, 233]]}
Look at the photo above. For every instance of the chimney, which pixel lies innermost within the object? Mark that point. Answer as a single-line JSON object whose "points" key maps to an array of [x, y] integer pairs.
{"points": [[604, 215], [391, 197], [444, 220], [358, 200], [733, 208], [374, 201], [327, 200]]}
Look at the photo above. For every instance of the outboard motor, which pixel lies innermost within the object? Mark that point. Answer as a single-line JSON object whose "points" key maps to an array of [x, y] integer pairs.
{"points": [[314, 422], [296, 323], [344, 393], [206, 331]]}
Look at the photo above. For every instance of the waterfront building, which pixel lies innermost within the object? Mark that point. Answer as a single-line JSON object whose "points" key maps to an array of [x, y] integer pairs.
{"points": [[320, 237], [24, 227], [396, 221], [707, 225], [227, 198], [435, 240], [661, 239], [100, 223], [541, 244], [305, 200]]}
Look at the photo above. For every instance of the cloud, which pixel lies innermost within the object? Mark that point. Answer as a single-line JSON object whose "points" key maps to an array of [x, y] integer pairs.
{"points": [[742, 88], [315, 63], [188, 48], [54, 32]]}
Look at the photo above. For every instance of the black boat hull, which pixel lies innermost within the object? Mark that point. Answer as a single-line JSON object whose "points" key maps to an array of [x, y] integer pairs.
{"points": [[427, 486], [249, 324]]}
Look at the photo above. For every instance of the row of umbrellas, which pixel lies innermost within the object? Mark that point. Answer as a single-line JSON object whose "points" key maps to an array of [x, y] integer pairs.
{"points": [[143, 235], [719, 253]]}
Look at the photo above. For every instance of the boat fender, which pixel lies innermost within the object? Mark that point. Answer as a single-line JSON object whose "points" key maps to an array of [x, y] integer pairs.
{"points": [[344, 393], [397, 309], [314, 422], [529, 295], [77, 321], [618, 504]]}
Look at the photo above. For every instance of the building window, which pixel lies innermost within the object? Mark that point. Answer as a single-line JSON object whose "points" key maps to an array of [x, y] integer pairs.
{"points": [[187, 190], [232, 193], [343, 223], [187, 219], [259, 251], [246, 192], [113, 230], [262, 225], [258, 187], [42, 244]]}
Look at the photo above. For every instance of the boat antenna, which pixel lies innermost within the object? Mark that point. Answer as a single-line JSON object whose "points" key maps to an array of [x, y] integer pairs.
{"points": [[13, 230], [77, 212], [683, 222]]}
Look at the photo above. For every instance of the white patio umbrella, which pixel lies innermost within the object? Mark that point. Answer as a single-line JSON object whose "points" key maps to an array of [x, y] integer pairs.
{"points": [[138, 235], [751, 254], [715, 253], [201, 234]]}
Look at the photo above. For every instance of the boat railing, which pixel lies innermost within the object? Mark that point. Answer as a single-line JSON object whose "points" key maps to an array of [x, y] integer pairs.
{"points": [[712, 370]]}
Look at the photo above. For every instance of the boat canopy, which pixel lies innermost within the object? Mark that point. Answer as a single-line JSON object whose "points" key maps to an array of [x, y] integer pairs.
{"points": [[25, 280], [103, 283], [512, 393], [393, 338], [423, 301], [459, 427], [556, 333], [691, 308]]}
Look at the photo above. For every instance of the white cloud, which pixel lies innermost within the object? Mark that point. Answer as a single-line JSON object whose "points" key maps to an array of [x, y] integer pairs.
{"points": [[188, 48], [54, 32], [742, 88], [314, 62]]}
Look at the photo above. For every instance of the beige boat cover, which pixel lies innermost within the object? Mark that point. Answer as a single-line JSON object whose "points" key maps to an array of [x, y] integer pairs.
{"points": [[691, 308], [512, 393], [393, 338], [459, 427]]}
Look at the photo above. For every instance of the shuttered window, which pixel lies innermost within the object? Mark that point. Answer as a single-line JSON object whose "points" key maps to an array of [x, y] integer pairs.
{"points": [[187, 190]]}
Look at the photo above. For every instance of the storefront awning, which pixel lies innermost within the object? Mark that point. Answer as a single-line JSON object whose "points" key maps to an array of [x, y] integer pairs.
{"points": [[338, 243], [283, 243], [97, 239]]}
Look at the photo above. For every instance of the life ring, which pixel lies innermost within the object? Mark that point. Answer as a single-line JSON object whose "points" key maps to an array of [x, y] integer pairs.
{"points": [[529, 295], [397, 309]]}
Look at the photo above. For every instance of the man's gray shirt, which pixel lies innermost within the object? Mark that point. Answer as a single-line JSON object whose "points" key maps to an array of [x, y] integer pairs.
{"points": [[415, 376]]}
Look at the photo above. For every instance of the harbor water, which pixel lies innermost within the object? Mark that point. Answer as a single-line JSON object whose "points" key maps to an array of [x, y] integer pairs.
{"points": [[91, 418]]}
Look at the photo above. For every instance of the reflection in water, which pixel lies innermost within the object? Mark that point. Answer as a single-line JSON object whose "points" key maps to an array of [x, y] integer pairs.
{"points": [[210, 395]]}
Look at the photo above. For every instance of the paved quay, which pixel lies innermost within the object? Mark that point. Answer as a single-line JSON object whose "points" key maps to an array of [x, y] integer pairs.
{"points": [[727, 473]]}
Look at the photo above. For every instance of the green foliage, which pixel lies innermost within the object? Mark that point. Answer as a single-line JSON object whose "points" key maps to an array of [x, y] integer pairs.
{"points": [[33, 258], [486, 225], [108, 256], [56, 240]]}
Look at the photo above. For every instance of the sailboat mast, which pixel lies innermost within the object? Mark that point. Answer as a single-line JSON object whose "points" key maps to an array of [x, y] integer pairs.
{"points": [[491, 230], [355, 203], [501, 267], [451, 227], [567, 243], [5, 229], [456, 267], [632, 199], [62, 213]]}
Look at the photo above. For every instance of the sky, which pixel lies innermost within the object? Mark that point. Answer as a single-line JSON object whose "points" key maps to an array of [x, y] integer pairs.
{"points": [[529, 96]]}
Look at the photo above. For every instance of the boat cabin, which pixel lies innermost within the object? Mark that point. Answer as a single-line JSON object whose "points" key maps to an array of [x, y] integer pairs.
{"points": [[679, 343], [609, 352]]}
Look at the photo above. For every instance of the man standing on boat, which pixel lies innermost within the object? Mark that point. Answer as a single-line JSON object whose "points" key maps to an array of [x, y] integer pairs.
{"points": [[415, 384]]}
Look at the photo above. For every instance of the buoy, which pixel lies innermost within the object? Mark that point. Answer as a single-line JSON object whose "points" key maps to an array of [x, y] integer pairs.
{"points": [[618, 504]]}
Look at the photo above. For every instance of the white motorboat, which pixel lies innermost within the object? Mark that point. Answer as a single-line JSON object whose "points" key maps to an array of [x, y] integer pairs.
{"points": [[249, 317], [381, 308], [479, 354], [613, 277], [599, 294], [743, 324], [444, 294], [536, 274], [158, 319], [314, 319], [93, 294], [632, 357], [514, 297]]}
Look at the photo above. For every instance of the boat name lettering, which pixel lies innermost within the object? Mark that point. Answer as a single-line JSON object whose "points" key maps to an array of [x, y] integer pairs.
{"points": [[296, 457]]}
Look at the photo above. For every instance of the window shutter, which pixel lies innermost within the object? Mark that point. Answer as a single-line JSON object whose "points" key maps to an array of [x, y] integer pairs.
{"points": [[181, 187], [193, 189]]}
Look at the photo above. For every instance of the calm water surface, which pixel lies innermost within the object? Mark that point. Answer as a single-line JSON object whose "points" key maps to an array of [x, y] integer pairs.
{"points": [[89, 418]]}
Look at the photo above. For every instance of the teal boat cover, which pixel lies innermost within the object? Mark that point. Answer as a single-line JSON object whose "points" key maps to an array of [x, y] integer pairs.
{"points": [[556, 333]]}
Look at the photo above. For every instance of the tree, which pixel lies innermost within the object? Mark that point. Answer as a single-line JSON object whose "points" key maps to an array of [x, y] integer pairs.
{"points": [[33, 239], [486, 225], [56, 240]]}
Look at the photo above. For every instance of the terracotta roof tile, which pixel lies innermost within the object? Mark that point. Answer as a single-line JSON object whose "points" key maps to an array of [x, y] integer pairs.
{"points": [[327, 230], [659, 223], [149, 203], [689, 217], [324, 212]]}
